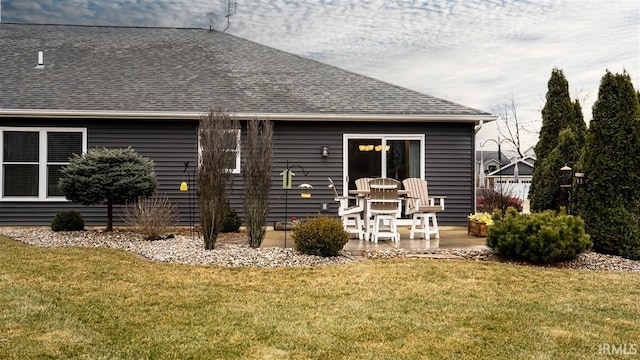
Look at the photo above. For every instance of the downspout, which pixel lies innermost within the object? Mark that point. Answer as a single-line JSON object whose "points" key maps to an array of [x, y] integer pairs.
{"points": [[475, 195], [477, 128]]}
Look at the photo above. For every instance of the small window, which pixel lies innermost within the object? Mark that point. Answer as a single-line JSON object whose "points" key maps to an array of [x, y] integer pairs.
{"points": [[32, 161]]}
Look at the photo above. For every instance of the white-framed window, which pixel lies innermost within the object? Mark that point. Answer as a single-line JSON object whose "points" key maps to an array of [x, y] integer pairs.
{"points": [[233, 151], [31, 160], [397, 156]]}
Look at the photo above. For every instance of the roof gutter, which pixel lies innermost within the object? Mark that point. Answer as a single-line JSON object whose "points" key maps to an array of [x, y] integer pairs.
{"points": [[176, 115]]}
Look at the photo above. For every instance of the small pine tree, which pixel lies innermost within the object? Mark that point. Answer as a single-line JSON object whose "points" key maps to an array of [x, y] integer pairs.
{"points": [[612, 168], [108, 177]]}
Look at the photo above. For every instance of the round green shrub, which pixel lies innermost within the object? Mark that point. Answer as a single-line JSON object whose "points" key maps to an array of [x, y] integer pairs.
{"points": [[322, 235], [540, 238], [232, 221], [67, 221]]}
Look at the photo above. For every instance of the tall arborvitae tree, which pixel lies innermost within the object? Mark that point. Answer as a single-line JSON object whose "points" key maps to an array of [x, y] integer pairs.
{"points": [[554, 196], [218, 137], [579, 126], [559, 113], [610, 197]]}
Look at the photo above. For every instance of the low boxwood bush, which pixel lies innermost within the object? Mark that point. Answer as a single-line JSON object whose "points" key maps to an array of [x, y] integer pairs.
{"points": [[232, 221], [67, 221], [539, 238], [322, 235]]}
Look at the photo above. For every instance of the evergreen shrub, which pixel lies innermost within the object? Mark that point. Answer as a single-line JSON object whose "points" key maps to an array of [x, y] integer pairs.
{"points": [[540, 238], [618, 232], [232, 221], [322, 235], [67, 221]]}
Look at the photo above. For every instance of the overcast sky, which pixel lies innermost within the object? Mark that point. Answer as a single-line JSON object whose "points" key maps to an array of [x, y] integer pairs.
{"points": [[479, 53]]}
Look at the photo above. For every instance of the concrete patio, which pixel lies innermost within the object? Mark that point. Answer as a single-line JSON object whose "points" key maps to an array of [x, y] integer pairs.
{"points": [[450, 237]]}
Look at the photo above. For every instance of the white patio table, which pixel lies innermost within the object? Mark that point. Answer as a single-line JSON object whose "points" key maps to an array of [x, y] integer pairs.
{"points": [[363, 195]]}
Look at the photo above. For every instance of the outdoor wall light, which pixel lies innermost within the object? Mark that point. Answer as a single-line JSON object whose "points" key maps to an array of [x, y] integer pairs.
{"points": [[184, 186], [324, 151]]}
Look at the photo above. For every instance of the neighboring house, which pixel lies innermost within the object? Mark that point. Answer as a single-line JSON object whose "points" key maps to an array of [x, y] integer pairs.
{"points": [[488, 162], [515, 177], [147, 88]]}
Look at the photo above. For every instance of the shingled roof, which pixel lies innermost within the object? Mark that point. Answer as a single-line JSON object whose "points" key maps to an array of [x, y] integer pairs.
{"points": [[124, 69]]}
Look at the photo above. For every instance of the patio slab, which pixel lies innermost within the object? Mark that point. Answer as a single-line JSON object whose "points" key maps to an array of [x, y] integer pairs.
{"points": [[450, 237]]}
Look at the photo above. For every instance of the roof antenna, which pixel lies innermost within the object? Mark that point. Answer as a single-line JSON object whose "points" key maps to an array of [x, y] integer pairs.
{"points": [[231, 10]]}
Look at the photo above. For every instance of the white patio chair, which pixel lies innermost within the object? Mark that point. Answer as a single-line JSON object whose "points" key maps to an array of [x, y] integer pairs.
{"points": [[383, 206], [423, 208], [351, 216], [363, 183]]}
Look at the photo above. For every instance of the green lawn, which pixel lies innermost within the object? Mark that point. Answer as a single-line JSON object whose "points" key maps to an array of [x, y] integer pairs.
{"points": [[108, 304]]}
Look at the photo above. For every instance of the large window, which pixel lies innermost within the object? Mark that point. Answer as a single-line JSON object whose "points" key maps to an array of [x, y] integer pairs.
{"points": [[393, 156], [230, 147], [32, 159]]}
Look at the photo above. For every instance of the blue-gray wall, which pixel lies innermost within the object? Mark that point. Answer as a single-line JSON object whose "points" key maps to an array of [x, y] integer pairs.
{"points": [[448, 154]]}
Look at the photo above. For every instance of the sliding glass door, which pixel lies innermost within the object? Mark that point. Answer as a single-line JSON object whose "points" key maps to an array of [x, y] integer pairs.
{"points": [[393, 156]]}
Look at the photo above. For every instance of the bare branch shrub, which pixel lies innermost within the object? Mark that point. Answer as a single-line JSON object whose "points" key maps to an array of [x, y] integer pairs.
{"points": [[218, 137], [151, 216], [256, 172], [498, 197]]}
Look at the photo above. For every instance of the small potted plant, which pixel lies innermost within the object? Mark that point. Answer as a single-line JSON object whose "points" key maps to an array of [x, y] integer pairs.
{"points": [[478, 223]]}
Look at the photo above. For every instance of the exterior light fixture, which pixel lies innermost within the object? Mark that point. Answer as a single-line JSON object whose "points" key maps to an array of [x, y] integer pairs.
{"points": [[566, 182], [184, 186], [324, 151]]}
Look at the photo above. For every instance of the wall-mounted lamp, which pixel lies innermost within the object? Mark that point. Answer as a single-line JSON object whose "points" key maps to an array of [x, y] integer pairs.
{"points": [[324, 151], [184, 186]]}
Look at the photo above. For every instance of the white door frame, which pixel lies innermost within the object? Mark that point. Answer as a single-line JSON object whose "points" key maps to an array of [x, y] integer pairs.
{"points": [[383, 138]]}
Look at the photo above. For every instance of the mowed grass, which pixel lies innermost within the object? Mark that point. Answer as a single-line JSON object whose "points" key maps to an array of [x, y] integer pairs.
{"points": [[108, 304]]}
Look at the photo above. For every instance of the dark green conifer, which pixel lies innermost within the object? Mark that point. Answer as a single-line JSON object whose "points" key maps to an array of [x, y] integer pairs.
{"points": [[108, 177], [610, 197]]}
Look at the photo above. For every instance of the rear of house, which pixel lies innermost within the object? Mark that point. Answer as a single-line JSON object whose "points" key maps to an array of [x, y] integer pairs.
{"points": [[146, 88]]}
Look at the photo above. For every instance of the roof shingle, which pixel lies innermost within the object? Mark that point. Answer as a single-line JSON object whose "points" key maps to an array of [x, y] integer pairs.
{"points": [[90, 68]]}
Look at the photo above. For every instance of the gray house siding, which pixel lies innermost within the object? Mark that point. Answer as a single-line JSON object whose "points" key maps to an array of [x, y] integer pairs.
{"points": [[170, 143], [448, 154]]}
